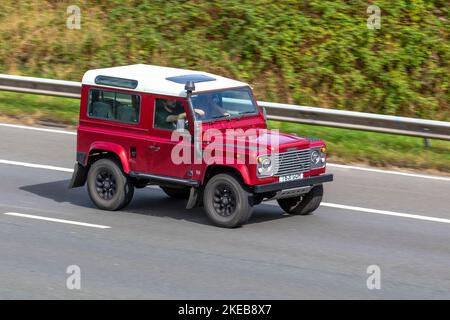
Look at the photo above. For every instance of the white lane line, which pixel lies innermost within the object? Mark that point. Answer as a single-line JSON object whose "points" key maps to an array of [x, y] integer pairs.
{"points": [[16, 126], [21, 215], [384, 212], [324, 204], [335, 165], [399, 173], [33, 165]]}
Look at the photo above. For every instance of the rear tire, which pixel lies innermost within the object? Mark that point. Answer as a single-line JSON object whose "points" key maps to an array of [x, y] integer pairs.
{"points": [[226, 202], [177, 193], [108, 187], [303, 205]]}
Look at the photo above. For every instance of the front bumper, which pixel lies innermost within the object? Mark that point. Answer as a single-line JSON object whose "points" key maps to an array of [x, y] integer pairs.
{"points": [[278, 186]]}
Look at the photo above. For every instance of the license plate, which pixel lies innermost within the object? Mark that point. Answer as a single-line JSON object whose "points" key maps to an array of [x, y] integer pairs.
{"points": [[291, 177]]}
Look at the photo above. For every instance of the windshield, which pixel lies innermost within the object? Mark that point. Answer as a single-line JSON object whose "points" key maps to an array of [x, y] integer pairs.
{"points": [[223, 104]]}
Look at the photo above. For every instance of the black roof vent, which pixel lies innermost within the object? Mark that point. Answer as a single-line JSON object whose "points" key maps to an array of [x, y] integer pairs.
{"points": [[190, 77]]}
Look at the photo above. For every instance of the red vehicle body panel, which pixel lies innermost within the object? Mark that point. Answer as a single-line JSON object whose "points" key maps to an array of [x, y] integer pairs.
{"points": [[141, 139]]}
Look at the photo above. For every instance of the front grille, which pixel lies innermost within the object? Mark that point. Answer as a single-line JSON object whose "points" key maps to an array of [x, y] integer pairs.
{"points": [[293, 162]]}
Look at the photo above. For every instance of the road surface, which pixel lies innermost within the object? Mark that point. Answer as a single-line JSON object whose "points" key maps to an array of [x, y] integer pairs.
{"points": [[155, 249]]}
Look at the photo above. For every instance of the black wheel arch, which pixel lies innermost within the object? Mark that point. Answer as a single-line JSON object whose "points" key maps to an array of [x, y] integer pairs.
{"points": [[79, 176], [213, 170]]}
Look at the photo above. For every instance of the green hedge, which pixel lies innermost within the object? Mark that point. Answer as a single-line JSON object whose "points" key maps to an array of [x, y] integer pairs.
{"points": [[317, 53]]}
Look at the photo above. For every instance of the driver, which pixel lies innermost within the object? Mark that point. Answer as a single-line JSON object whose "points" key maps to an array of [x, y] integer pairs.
{"points": [[210, 108], [168, 114]]}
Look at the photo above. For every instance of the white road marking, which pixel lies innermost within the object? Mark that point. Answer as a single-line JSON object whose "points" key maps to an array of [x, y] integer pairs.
{"points": [[8, 125], [15, 214], [324, 204], [33, 165], [384, 212], [399, 173], [404, 174]]}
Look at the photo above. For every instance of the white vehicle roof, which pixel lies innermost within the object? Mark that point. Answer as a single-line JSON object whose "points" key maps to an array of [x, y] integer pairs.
{"points": [[154, 79]]}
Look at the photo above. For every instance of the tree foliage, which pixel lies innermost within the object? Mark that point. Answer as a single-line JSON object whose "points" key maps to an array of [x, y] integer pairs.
{"points": [[316, 52]]}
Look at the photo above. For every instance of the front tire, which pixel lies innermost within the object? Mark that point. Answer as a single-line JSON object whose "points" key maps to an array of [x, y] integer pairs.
{"points": [[108, 187], [303, 205], [226, 202]]}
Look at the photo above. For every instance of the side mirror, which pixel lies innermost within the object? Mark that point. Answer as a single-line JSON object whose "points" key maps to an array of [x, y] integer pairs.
{"points": [[264, 113]]}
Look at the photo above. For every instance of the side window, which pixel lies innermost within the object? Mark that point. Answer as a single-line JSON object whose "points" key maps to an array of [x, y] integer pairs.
{"points": [[114, 106], [167, 112]]}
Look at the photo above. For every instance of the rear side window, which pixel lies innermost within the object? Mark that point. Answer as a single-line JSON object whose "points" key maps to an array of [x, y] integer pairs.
{"points": [[114, 106]]}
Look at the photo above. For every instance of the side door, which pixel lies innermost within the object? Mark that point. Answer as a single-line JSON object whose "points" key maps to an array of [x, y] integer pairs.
{"points": [[169, 157]]}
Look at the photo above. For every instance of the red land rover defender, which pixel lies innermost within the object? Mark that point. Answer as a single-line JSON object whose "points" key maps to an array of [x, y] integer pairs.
{"points": [[198, 136]]}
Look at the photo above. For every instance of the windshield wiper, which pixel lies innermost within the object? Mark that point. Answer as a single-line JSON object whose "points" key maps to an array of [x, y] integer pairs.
{"points": [[245, 112], [221, 116]]}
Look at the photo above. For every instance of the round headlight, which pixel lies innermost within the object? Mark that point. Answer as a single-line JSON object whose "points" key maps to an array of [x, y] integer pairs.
{"points": [[265, 166], [266, 163], [315, 157]]}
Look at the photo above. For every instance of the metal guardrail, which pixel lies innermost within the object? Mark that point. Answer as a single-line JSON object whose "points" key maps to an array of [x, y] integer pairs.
{"points": [[276, 111], [358, 120], [40, 86]]}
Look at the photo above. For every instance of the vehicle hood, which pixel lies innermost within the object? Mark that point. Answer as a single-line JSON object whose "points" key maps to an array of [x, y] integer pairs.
{"points": [[263, 139]]}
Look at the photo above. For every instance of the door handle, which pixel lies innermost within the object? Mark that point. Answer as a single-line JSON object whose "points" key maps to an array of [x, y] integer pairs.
{"points": [[154, 148]]}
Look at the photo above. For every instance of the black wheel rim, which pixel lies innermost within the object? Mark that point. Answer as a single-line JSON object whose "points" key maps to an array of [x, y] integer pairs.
{"points": [[224, 200], [105, 184]]}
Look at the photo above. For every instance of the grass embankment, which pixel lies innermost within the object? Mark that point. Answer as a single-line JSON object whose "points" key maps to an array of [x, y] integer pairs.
{"points": [[345, 146], [31, 108], [317, 53], [314, 53]]}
